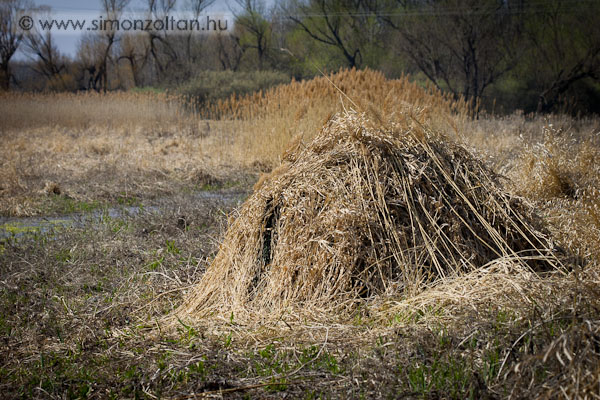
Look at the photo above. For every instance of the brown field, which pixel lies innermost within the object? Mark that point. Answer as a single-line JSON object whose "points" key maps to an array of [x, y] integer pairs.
{"points": [[88, 310]]}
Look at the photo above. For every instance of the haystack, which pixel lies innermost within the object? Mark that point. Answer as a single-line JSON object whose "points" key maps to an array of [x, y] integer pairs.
{"points": [[361, 211]]}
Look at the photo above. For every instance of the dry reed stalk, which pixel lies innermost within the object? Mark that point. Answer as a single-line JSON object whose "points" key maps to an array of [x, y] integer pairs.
{"points": [[571, 363]]}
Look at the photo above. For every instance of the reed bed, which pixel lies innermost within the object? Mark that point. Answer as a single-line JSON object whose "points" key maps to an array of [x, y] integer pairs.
{"points": [[550, 160], [364, 87], [562, 173], [268, 121], [83, 110], [97, 146]]}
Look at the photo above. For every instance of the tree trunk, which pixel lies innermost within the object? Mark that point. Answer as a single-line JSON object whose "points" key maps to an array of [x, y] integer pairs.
{"points": [[4, 76]]}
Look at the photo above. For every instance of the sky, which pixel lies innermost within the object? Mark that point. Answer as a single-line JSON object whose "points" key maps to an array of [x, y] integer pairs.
{"points": [[67, 42]]}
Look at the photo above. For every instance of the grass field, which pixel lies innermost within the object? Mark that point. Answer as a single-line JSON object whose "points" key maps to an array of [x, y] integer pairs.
{"points": [[86, 309]]}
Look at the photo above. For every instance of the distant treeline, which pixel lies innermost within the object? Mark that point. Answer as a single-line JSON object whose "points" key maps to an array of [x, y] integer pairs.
{"points": [[504, 55]]}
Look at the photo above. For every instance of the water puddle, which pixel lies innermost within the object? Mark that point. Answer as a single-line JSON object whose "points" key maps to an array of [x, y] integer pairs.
{"points": [[19, 227]]}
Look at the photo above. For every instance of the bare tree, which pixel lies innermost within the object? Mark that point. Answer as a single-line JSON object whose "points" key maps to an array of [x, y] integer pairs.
{"points": [[10, 36], [565, 44], [229, 51], [90, 59], [40, 46], [113, 10], [460, 45], [162, 50], [135, 48], [196, 8], [348, 25], [253, 31]]}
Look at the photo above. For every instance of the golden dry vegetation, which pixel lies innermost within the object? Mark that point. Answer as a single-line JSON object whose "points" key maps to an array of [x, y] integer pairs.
{"points": [[454, 322], [96, 147]]}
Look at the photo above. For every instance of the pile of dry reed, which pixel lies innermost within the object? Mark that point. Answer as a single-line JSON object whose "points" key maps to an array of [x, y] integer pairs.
{"points": [[364, 210]]}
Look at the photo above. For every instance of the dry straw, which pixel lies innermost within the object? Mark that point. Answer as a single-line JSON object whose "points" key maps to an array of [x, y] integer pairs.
{"points": [[365, 209]]}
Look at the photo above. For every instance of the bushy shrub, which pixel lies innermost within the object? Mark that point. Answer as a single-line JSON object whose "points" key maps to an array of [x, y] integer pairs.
{"points": [[215, 85]]}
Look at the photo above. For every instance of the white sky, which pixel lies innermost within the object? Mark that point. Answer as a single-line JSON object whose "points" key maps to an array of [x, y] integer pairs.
{"points": [[67, 43]]}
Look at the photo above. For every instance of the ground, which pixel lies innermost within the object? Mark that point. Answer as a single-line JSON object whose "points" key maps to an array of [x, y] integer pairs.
{"points": [[86, 303]]}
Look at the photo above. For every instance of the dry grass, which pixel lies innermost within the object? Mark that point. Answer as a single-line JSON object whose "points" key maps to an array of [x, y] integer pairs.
{"points": [[562, 173], [552, 350], [552, 161], [117, 110], [98, 148], [75, 305]]}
